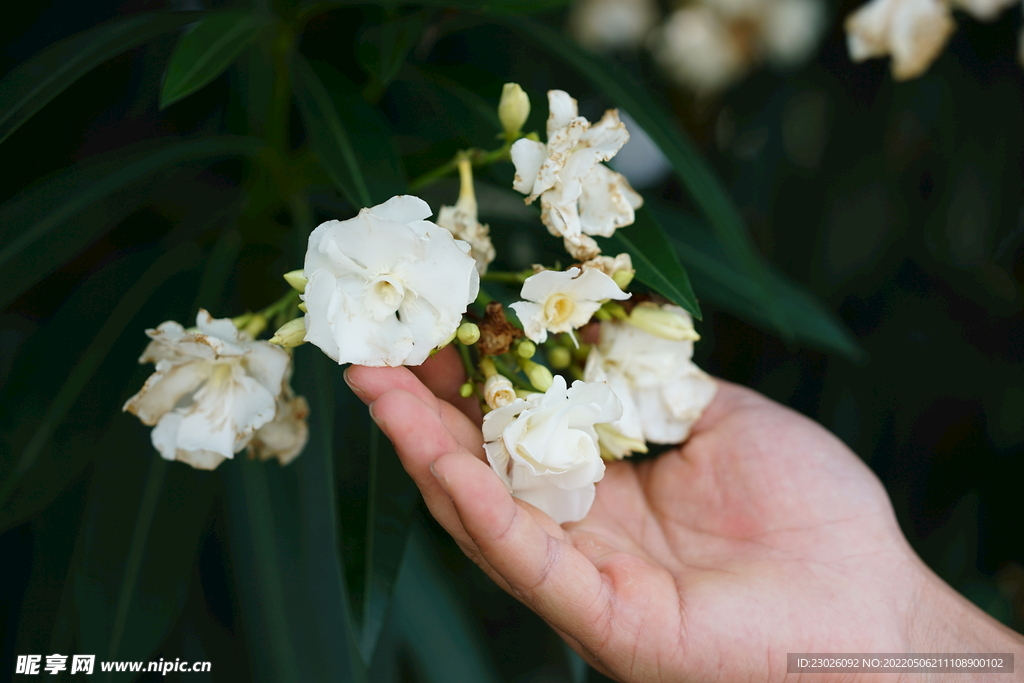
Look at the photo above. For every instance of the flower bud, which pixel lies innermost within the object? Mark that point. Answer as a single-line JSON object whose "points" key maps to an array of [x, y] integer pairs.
{"points": [[296, 279], [623, 278], [526, 349], [662, 323], [466, 390], [292, 333], [302, 307], [614, 444], [513, 109], [498, 391], [559, 358], [468, 333], [540, 377]]}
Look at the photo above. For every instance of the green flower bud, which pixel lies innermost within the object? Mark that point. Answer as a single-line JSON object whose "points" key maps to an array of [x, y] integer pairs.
{"points": [[466, 390], [540, 377], [664, 323], [623, 278], [560, 357], [513, 109], [526, 349], [297, 280], [468, 333], [290, 334]]}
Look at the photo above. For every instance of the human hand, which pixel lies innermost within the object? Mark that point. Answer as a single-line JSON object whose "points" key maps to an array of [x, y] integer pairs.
{"points": [[762, 535]]}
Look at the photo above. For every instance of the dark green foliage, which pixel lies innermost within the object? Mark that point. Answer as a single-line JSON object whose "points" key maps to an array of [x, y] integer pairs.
{"points": [[893, 210]]}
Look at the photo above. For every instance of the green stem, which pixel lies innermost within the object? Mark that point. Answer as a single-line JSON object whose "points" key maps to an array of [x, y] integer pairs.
{"points": [[508, 278], [472, 374], [504, 369], [478, 157]]}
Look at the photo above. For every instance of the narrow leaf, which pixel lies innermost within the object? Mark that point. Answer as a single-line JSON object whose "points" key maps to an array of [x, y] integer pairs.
{"points": [[655, 261], [389, 515], [206, 50], [705, 189], [328, 136], [720, 282], [446, 645], [33, 214], [29, 86], [172, 262]]}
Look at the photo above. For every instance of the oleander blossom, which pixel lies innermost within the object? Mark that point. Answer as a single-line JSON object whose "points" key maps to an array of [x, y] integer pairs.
{"points": [[709, 45], [663, 392], [912, 32], [545, 447], [213, 388], [561, 301], [579, 195], [387, 286]]}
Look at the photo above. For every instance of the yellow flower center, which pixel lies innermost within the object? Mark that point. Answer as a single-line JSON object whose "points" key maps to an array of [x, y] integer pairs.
{"points": [[558, 308]]}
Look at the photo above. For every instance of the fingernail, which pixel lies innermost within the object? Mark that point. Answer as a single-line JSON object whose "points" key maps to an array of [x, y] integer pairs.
{"points": [[355, 389], [441, 479], [372, 416]]}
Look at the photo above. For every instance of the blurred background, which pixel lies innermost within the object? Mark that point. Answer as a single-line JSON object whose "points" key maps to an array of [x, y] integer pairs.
{"points": [[888, 214]]}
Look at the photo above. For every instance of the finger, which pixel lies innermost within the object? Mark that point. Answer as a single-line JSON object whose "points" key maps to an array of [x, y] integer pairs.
{"points": [[546, 573], [444, 374], [369, 384], [421, 437]]}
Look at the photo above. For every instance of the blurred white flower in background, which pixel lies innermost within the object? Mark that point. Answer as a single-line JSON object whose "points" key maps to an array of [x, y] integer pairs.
{"points": [[659, 385], [386, 287], [709, 45], [579, 196], [545, 447], [612, 24], [213, 388], [561, 301]]}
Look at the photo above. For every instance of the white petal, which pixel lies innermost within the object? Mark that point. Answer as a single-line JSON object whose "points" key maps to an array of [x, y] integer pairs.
{"points": [[267, 364], [531, 315], [527, 155], [540, 285], [165, 388], [225, 415], [561, 506], [607, 202], [164, 437], [561, 110], [594, 285], [404, 208], [323, 299]]}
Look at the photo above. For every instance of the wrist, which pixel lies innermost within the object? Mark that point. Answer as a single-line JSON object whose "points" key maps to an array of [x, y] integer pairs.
{"points": [[943, 621]]}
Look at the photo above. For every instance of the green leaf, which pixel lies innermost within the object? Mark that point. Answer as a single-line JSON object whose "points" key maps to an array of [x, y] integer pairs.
{"points": [[388, 519], [655, 261], [706, 191], [172, 262], [30, 85], [351, 139], [137, 550], [384, 47], [207, 50], [445, 643], [34, 215], [720, 282]]}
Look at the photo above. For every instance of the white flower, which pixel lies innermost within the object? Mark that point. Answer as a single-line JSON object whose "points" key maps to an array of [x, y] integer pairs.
{"points": [[285, 436], [212, 389], [545, 448], [791, 30], [912, 31], [461, 221], [612, 24], [655, 378], [561, 301], [579, 195], [386, 287], [697, 48], [619, 268]]}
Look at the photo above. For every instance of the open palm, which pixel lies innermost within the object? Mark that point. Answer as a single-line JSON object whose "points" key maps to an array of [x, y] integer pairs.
{"points": [[762, 535]]}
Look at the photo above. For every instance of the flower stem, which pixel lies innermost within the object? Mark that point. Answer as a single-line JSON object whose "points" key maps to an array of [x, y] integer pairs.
{"points": [[467, 362], [506, 370], [477, 157]]}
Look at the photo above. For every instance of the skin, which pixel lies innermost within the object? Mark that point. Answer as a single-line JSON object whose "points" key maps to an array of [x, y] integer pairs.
{"points": [[761, 535]]}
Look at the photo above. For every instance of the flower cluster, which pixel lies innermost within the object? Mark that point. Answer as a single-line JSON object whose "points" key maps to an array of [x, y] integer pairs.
{"points": [[707, 45], [388, 287], [216, 391]]}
